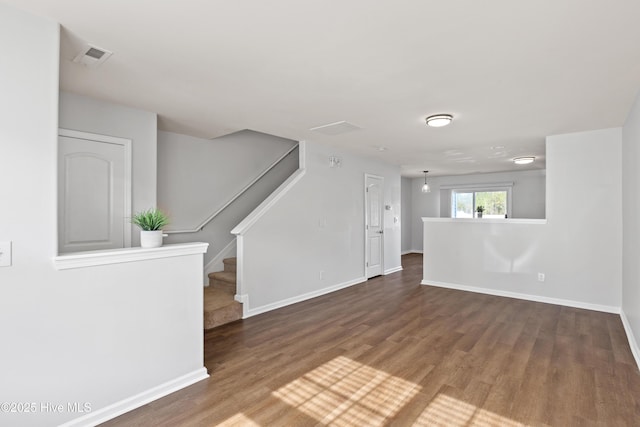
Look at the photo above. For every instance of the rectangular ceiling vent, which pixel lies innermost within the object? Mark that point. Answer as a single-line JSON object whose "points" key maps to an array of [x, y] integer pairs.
{"points": [[92, 56], [336, 128]]}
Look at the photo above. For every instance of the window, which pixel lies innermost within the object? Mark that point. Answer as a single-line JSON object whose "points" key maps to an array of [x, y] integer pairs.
{"points": [[496, 201]]}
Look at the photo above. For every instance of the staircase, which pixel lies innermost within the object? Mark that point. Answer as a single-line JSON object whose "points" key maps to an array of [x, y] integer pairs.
{"points": [[220, 307]]}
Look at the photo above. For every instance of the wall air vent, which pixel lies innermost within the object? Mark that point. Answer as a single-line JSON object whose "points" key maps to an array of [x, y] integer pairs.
{"points": [[92, 56]]}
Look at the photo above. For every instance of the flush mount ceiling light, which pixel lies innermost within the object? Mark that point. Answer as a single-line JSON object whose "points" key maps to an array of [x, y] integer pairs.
{"points": [[439, 120], [425, 187], [523, 160]]}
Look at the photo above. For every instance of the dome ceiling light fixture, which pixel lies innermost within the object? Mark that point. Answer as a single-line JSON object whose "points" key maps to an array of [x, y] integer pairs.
{"points": [[439, 120], [425, 187], [524, 160]]}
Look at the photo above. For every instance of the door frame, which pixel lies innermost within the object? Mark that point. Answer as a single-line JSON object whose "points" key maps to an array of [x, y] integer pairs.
{"points": [[127, 146], [366, 224]]}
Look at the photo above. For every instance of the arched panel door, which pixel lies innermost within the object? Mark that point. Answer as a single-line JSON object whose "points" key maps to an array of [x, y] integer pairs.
{"points": [[93, 195]]}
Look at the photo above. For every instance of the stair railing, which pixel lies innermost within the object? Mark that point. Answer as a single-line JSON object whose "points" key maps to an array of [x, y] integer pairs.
{"points": [[234, 198]]}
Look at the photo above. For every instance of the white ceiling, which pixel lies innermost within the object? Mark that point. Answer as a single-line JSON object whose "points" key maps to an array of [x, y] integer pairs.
{"points": [[511, 72]]}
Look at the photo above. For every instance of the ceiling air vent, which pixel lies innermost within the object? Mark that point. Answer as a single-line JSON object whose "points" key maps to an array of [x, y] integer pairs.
{"points": [[336, 128], [92, 56]]}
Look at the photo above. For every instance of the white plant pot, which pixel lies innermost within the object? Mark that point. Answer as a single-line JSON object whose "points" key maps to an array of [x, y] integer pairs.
{"points": [[151, 239]]}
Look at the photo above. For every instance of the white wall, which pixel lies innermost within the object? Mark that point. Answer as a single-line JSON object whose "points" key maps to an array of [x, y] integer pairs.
{"points": [[407, 210], [95, 335], [527, 197], [95, 116], [631, 223], [527, 193], [318, 226], [579, 248], [198, 176], [423, 205]]}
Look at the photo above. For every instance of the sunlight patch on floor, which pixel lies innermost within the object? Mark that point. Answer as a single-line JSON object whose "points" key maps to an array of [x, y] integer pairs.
{"points": [[448, 411], [239, 420], [343, 392]]}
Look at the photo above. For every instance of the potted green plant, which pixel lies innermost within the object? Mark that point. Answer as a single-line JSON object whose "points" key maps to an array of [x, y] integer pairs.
{"points": [[480, 210], [150, 222]]}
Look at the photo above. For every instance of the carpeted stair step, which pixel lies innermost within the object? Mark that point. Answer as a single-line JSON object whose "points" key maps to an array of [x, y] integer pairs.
{"points": [[224, 280], [230, 264], [220, 308]]}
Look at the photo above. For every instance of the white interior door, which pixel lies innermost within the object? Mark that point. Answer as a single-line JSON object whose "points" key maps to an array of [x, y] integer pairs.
{"points": [[93, 192], [374, 224]]}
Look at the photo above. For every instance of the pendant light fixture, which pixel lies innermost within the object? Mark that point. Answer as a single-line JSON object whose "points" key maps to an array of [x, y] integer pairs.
{"points": [[425, 187]]}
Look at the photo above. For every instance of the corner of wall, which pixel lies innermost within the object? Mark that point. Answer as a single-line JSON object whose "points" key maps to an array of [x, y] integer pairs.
{"points": [[312, 241], [633, 344]]}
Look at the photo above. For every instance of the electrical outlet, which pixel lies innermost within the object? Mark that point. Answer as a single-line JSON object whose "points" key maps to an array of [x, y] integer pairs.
{"points": [[321, 274], [540, 277], [5, 254]]}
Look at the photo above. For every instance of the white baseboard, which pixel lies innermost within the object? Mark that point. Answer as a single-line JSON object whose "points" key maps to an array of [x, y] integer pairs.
{"points": [[249, 312], [244, 300], [528, 297], [392, 270], [216, 264], [109, 412], [633, 344], [411, 252]]}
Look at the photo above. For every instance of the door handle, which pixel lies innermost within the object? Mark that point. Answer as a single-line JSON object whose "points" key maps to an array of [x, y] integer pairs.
{"points": [[381, 231]]}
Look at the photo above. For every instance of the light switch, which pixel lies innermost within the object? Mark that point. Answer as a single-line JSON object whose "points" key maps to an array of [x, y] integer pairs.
{"points": [[5, 254]]}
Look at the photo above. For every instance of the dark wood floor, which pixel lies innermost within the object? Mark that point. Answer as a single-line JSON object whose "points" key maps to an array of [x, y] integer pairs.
{"points": [[393, 352]]}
